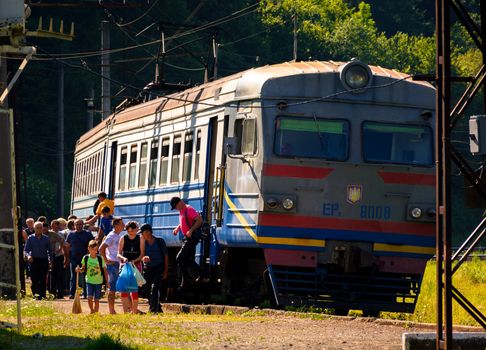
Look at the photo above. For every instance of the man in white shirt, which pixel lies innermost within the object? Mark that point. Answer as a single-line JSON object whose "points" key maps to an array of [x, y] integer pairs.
{"points": [[109, 252]]}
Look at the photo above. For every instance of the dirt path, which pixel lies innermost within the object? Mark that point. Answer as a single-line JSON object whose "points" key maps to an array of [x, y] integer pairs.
{"points": [[281, 331]]}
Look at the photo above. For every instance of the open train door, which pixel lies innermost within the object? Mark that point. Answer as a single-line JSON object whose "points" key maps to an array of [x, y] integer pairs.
{"points": [[112, 159], [214, 178]]}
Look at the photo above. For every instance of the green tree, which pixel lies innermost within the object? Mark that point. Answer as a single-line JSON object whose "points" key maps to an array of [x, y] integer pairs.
{"points": [[341, 31]]}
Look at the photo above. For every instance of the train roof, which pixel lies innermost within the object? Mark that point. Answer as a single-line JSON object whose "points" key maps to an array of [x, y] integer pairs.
{"points": [[240, 86]]}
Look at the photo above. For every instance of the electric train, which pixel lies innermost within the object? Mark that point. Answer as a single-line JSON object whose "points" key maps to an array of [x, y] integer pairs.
{"points": [[316, 178]]}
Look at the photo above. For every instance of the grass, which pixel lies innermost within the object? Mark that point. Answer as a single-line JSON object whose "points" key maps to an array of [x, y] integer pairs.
{"points": [[45, 327], [470, 280]]}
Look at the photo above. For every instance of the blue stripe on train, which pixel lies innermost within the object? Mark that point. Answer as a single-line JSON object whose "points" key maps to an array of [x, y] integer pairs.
{"points": [[362, 236]]}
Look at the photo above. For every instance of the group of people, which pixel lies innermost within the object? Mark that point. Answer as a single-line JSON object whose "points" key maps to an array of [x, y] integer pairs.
{"points": [[94, 255]]}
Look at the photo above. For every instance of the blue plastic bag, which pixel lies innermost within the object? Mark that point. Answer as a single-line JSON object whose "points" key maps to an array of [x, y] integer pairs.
{"points": [[126, 280]]}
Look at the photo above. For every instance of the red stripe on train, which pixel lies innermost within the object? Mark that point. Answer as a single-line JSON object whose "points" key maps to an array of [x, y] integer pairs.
{"points": [[422, 229], [295, 171], [407, 178]]}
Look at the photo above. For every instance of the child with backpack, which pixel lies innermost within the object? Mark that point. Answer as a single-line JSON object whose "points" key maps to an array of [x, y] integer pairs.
{"points": [[96, 275]]}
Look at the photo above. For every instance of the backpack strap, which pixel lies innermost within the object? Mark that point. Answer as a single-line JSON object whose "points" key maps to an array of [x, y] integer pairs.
{"points": [[100, 262], [85, 261]]}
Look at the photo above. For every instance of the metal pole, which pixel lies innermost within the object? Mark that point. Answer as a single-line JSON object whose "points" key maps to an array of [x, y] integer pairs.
{"points": [[483, 42], [60, 140], [15, 221], [294, 19], [105, 70], [446, 171], [438, 173]]}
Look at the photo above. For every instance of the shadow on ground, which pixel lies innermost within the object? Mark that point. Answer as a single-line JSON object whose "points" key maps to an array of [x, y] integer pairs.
{"points": [[11, 340]]}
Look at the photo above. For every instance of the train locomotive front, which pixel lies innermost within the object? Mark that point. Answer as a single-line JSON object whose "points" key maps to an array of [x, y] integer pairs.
{"points": [[340, 195]]}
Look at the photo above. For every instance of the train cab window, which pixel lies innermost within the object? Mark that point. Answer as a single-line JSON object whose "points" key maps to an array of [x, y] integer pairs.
{"points": [[122, 175], [142, 172], [249, 137], [132, 172], [312, 138], [164, 161], [246, 136], [197, 155], [154, 150], [398, 144], [187, 165], [176, 159]]}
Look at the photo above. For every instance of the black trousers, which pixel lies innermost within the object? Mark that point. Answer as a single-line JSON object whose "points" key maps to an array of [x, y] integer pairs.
{"points": [[153, 290], [38, 276], [58, 276], [186, 263]]}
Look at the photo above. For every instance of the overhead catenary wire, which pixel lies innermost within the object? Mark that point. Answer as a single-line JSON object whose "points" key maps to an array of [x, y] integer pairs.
{"points": [[311, 100], [140, 17], [85, 54]]}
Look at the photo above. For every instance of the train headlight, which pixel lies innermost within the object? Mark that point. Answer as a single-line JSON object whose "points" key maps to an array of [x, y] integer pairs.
{"points": [[355, 75], [288, 204], [272, 203], [416, 213]]}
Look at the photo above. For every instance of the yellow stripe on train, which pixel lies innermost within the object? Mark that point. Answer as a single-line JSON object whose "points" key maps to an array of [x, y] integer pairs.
{"points": [[398, 248], [271, 240], [292, 241]]}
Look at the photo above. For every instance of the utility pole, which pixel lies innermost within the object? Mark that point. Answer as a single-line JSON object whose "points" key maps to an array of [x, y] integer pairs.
{"points": [[60, 139], [294, 20], [105, 70], [12, 38]]}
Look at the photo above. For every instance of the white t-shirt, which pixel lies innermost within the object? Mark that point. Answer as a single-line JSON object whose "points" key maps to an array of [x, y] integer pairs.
{"points": [[111, 242]]}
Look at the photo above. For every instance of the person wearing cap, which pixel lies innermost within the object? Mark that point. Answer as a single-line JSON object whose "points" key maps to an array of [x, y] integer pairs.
{"points": [[189, 223], [156, 261]]}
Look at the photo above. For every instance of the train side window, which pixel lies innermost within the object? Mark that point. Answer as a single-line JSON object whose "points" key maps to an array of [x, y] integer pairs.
{"points": [[186, 168], [164, 161], [176, 159], [248, 137], [197, 155], [238, 133], [81, 179], [90, 176], [76, 179], [122, 175], [142, 172], [154, 150], [132, 172], [93, 172]]}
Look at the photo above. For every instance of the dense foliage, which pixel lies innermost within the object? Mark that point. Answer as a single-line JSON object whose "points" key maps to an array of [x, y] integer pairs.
{"points": [[392, 34]]}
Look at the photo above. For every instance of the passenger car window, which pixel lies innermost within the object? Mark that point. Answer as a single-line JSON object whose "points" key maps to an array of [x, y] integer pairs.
{"points": [[122, 175], [176, 158]]}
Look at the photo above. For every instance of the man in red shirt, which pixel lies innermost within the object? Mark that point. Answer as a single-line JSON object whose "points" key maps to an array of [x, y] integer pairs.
{"points": [[189, 223]]}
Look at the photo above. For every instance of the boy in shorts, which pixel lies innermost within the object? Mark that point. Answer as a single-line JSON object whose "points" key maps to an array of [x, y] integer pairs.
{"points": [[95, 268]]}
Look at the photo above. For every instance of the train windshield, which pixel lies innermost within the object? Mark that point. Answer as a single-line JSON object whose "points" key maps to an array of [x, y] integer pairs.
{"points": [[312, 138], [399, 144]]}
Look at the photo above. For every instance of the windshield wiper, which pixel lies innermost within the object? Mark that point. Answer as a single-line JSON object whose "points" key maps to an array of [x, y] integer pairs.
{"points": [[321, 138]]}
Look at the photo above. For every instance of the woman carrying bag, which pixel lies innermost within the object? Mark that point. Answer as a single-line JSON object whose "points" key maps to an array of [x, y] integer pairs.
{"points": [[131, 249]]}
